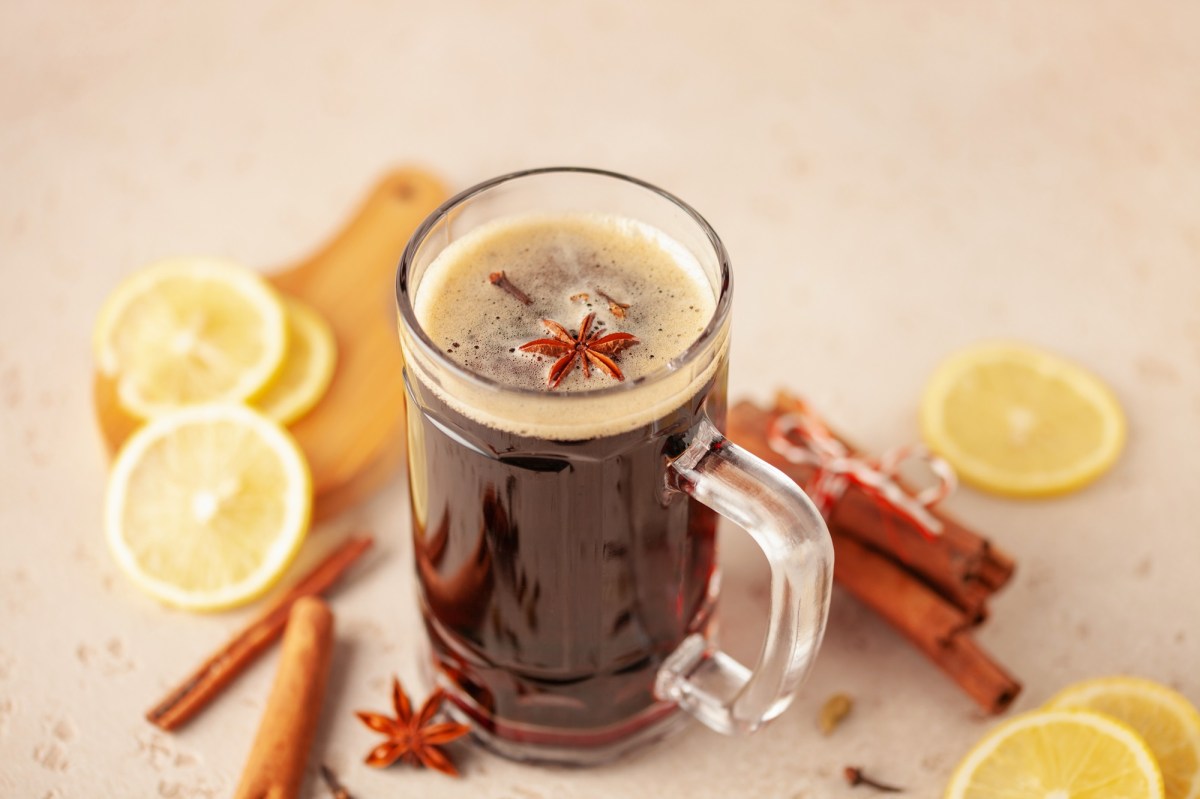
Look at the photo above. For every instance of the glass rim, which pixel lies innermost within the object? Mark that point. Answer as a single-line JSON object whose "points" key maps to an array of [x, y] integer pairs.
{"points": [[431, 351]]}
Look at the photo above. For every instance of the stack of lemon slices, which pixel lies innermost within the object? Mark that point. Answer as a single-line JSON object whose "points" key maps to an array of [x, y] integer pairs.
{"points": [[1107, 738], [209, 501]]}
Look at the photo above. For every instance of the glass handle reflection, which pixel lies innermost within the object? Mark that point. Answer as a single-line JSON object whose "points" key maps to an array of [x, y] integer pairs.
{"points": [[703, 680]]}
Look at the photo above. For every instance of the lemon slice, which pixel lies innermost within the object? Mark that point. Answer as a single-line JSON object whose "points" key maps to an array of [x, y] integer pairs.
{"points": [[189, 331], [1015, 420], [1165, 719], [307, 369], [1057, 754], [207, 506]]}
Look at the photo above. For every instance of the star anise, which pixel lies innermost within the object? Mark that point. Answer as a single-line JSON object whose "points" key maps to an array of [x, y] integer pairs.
{"points": [[588, 350], [411, 737]]}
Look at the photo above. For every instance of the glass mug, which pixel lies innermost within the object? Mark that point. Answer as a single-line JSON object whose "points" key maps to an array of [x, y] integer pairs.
{"points": [[567, 579]]}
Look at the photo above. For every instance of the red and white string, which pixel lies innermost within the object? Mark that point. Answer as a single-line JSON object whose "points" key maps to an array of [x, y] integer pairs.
{"points": [[802, 437]]}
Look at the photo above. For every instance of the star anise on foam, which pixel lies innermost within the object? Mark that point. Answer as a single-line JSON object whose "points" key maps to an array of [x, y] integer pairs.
{"points": [[586, 348], [410, 736]]}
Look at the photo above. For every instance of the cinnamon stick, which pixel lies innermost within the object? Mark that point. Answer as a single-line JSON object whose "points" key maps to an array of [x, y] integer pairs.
{"points": [[211, 677], [955, 575], [275, 767], [936, 627]]}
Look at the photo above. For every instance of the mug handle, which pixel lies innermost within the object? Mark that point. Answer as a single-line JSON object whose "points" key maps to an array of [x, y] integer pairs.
{"points": [[698, 677]]}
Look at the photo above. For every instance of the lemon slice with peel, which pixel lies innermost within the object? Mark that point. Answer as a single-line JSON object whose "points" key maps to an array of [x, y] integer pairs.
{"points": [[189, 331], [207, 506], [1165, 719], [1058, 754], [307, 369], [1018, 421]]}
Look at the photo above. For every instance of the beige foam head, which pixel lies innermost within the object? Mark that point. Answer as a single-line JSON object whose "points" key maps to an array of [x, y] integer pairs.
{"points": [[557, 260]]}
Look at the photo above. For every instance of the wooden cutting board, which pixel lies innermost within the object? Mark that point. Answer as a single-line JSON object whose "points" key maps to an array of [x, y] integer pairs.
{"points": [[354, 437]]}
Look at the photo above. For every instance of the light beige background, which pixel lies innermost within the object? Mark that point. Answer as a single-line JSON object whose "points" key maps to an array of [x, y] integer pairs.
{"points": [[894, 180]]}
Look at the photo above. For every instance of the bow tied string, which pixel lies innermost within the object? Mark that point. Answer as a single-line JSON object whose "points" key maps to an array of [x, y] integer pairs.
{"points": [[802, 437]]}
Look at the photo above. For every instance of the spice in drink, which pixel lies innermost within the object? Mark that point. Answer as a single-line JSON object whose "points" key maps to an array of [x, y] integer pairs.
{"points": [[586, 348]]}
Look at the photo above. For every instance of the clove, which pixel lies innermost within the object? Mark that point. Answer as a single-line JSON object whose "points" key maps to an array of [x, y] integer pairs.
{"points": [[500, 280], [855, 776], [335, 787]]}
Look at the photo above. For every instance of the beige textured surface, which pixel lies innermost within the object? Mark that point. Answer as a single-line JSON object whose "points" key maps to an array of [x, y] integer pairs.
{"points": [[892, 179]]}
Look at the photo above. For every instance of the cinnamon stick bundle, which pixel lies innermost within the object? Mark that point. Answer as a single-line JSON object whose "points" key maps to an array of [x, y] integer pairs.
{"points": [[932, 590]]}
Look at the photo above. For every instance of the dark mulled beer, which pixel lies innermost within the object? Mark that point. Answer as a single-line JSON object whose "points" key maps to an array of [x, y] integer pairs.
{"points": [[557, 569]]}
